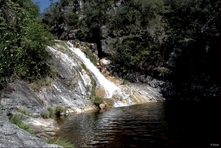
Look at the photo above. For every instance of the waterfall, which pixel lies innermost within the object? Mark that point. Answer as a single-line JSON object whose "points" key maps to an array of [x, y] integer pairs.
{"points": [[71, 60], [110, 88]]}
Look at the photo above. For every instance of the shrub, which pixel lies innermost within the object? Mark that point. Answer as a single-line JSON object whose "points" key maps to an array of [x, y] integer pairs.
{"points": [[51, 112], [125, 82], [45, 114], [23, 41], [59, 110], [98, 100], [83, 66], [71, 84], [23, 110]]}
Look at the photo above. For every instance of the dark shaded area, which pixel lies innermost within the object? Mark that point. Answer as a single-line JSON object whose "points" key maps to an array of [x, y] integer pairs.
{"points": [[159, 124], [177, 42]]}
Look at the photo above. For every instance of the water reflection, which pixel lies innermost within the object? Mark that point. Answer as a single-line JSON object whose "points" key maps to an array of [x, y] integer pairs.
{"points": [[152, 124]]}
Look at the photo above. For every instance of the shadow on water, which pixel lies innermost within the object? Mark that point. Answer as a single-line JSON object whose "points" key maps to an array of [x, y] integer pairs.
{"points": [[159, 124]]}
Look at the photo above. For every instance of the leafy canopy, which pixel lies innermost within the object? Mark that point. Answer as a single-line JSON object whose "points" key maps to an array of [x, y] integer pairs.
{"points": [[23, 39]]}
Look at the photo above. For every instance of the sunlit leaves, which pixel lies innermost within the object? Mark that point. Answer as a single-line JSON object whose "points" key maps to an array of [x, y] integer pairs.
{"points": [[23, 40]]}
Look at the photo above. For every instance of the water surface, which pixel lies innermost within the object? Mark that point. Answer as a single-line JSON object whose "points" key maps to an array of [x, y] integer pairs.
{"points": [[159, 124]]}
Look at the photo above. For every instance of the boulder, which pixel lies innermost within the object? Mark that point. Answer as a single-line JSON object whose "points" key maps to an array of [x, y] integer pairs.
{"points": [[104, 32], [105, 44], [102, 106]]}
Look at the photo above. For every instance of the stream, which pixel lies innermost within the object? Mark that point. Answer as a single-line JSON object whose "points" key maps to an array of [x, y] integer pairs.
{"points": [[154, 124]]}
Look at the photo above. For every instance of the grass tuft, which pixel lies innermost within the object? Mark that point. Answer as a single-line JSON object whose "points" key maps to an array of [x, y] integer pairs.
{"points": [[62, 142], [45, 114], [17, 120], [59, 110], [98, 100], [51, 112]]}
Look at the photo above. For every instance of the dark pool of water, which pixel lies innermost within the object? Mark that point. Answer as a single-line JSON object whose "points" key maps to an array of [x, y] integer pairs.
{"points": [[161, 124]]}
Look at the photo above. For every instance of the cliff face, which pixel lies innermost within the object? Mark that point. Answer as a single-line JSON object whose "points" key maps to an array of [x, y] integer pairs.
{"points": [[70, 87]]}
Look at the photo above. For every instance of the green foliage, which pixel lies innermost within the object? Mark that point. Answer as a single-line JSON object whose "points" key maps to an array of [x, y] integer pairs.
{"points": [[23, 40], [17, 120], [194, 36], [43, 82], [93, 88], [130, 54], [98, 100], [56, 17], [23, 110], [125, 82], [62, 142], [51, 112], [83, 66], [151, 36], [59, 110], [72, 18], [45, 114], [71, 84]]}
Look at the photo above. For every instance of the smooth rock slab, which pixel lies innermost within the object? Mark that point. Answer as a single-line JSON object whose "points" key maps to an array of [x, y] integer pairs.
{"points": [[12, 136], [44, 128]]}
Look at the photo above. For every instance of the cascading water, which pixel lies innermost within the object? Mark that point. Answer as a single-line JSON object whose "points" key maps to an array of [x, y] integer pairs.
{"points": [[110, 88]]}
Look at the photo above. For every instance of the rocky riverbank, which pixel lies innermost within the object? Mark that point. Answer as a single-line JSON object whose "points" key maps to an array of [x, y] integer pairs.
{"points": [[71, 88], [13, 136]]}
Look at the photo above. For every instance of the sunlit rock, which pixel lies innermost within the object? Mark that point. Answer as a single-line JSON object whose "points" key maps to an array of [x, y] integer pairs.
{"points": [[44, 128]]}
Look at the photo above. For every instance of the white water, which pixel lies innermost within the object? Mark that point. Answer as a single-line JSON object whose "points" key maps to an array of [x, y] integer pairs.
{"points": [[69, 63], [109, 87]]}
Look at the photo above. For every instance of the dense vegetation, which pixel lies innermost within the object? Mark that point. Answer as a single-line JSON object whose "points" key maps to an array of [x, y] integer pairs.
{"points": [[177, 41], [173, 40], [23, 39]]}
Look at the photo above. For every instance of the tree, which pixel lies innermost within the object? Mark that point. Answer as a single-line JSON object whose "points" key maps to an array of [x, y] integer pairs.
{"points": [[23, 40]]}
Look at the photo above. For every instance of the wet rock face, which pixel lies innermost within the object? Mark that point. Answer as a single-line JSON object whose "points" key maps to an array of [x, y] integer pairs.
{"points": [[13, 136], [70, 88]]}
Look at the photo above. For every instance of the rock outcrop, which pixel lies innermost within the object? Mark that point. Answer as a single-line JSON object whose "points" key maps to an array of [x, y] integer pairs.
{"points": [[43, 128], [12, 136], [70, 88]]}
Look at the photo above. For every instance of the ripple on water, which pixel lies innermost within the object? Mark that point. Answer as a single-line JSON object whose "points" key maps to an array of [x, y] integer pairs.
{"points": [[135, 126]]}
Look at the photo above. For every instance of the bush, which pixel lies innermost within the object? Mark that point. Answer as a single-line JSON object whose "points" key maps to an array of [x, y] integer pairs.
{"points": [[43, 82], [59, 110], [45, 114], [51, 112], [62, 142], [98, 100], [23, 110], [23, 40]]}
